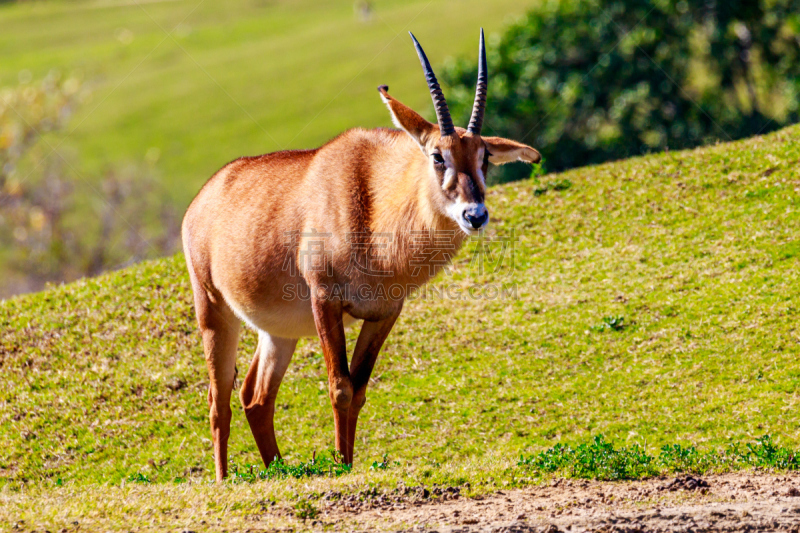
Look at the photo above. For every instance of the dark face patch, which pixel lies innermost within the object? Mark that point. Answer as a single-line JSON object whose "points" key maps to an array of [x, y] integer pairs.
{"points": [[460, 153]]}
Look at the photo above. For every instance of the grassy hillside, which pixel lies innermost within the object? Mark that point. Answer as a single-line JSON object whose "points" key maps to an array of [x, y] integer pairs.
{"points": [[200, 83], [656, 303]]}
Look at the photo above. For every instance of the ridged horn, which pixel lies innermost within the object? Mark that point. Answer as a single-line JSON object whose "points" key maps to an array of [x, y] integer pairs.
{"points": [[478, 108], [439, 103]]}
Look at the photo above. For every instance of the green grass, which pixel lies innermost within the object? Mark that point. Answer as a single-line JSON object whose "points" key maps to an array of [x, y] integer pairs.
{"points": [[656, 305], [205, 82], [325, 465]]}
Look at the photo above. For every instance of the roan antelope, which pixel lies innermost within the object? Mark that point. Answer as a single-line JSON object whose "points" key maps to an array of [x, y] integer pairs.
{"points": [[364, 195]]}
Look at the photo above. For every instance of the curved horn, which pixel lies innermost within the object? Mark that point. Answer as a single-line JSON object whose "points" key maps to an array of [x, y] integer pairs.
{"points": [[439, 103], [478, 108]]}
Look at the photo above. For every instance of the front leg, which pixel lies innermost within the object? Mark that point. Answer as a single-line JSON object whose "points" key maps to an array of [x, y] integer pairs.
{"points": [[370, 341], [330, 328]]}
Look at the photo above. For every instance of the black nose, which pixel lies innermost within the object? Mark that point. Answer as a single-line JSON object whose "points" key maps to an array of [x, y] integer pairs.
{"points": [[476, 216]]}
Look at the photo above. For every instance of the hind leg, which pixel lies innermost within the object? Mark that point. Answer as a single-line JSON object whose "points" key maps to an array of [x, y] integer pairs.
{"points": [[219, 343], [219, 328], [260, 389]]}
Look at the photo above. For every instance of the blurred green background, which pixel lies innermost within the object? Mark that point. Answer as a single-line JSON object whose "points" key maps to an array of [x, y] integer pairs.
{"points": [[143, 101], [114, 113], [198, 83]]}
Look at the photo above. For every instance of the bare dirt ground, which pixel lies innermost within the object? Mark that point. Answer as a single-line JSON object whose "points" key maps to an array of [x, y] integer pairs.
{"points": [[730, 502]]}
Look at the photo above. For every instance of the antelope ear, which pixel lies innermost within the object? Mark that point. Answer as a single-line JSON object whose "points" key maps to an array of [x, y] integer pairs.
{"points": [[505, 151], [407, 119]]}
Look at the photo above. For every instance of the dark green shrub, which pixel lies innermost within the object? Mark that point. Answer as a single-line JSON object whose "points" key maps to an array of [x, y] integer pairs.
{"points": [[586, 81]]}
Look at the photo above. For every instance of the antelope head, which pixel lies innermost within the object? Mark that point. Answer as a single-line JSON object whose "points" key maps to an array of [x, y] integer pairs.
{"points": [[458, 159]]}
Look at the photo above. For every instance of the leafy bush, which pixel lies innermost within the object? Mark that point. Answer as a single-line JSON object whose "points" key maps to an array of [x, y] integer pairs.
{"points": [[599, 459], [586, 81]]}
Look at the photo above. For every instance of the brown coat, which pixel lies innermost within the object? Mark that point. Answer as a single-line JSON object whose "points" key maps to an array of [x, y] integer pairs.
{"points": [[305, 242]]}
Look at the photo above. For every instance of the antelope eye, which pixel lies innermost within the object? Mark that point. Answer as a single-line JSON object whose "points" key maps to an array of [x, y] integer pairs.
{"points": [[438, 159]]}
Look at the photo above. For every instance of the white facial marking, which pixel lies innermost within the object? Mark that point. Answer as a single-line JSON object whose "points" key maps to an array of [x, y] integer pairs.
{"points": [[450, 174], [456, 212], [479, 165]]}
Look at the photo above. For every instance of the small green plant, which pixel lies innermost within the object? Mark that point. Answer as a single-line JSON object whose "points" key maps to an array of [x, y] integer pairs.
{"points": [[614, 323], [304, 510], [138, 477], [556, 185], [384, 463], [677, 458], [764, 453]]}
